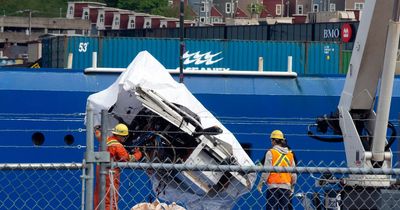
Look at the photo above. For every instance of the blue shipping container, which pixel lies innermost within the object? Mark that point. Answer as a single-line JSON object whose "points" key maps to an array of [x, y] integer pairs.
{"points": [[56, 49], [323, 58], [82, 49], [119, 52], [205, 54], [307, 57]]}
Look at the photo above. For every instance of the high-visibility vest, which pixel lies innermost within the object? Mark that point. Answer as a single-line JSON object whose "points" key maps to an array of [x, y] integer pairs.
{"points": [[117, 150], [113, 141], [282, 160]]}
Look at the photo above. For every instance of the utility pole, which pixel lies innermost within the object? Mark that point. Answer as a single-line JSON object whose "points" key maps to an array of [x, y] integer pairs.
{"points": [[181, 39], [287, 8], [232, 8], [30, 23], [29, 11], [206, 10]]}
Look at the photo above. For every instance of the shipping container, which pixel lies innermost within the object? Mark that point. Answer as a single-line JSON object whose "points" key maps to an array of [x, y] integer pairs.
{"points": [[291, 32], [57, 47], [55, 51], [322, 58], [346, 56], [279, 32], [82, 49], [205, 54], [119, 52], [217, 55]]}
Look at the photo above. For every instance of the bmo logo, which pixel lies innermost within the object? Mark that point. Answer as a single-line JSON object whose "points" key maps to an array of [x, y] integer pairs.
{"points": [[331, 33], [346, 32]]}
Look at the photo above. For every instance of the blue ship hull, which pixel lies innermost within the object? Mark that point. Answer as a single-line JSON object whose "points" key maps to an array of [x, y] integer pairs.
{"points": [[51, 102], [250, 107]]}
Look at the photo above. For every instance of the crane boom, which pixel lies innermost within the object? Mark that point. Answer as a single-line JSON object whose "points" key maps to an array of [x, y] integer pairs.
{"points": [[372, 63]]}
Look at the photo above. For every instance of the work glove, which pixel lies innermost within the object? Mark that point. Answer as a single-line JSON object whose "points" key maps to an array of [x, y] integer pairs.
{"points": [[259, 187], [136, 156], [97, 132]]}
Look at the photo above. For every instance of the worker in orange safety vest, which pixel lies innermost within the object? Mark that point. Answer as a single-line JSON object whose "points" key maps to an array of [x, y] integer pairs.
{"points": [[118, 153], [280, 185]]}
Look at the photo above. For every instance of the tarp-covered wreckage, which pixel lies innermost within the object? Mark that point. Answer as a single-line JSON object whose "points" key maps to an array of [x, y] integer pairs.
{"points": [[173, 125]]}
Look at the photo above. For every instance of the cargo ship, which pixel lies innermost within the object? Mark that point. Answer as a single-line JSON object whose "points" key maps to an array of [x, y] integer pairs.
{"points": [[43, 112], [40, 103], [42, 117]]}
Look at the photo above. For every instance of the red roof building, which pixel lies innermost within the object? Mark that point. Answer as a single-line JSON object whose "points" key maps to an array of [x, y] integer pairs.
{"points": [[216, 16], [240, 14], [105, 18], [75, 9]]}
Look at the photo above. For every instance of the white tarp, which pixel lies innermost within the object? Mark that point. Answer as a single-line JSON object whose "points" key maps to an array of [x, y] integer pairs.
{"points": [[147, 73]]}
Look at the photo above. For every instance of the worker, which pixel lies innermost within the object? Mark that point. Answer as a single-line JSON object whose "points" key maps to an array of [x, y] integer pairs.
{"points": [[118, 153], [280, 185]]}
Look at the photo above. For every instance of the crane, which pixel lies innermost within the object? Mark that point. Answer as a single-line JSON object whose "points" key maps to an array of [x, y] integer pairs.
{"points": [[364, 130], [373, 59]]}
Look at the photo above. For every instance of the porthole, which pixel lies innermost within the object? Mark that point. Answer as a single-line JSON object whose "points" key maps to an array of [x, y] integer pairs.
{"points": [[38, 138], [69, 139]]}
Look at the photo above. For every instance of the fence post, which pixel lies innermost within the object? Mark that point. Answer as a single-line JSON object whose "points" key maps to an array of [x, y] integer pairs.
{"points": [[88, 155], [103, 171]]}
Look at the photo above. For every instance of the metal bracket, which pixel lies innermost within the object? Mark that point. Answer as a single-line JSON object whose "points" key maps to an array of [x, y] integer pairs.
{"points": [[97, 157]]}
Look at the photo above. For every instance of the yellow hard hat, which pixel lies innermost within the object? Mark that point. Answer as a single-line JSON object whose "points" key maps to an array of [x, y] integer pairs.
{"points": [[121, 130], [277, 134]]}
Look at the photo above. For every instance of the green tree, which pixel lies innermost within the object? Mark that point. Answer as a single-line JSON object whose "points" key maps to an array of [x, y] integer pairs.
{"points": [[39, 8], [155, 7], [146, 6], [255, 8], [111, 3], [173, 12]]}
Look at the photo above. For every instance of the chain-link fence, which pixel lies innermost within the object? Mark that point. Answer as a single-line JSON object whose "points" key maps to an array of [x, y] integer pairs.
{"points": [[60, 186], [41, 186], [320, 187], [164, 179]]}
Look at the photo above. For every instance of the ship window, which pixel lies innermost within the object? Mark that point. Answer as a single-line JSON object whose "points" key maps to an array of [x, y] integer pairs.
{"points": [[71, 10], [38, 138], [69, 139]]}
